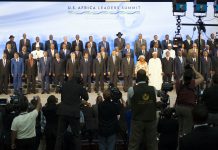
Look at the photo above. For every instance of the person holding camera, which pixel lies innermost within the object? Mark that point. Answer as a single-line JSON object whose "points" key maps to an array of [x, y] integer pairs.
{"points": [[186, 98], [142, 101], [23, 126]]}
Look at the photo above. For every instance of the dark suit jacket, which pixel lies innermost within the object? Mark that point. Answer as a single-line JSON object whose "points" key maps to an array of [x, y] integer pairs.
{"points": [[71, 97], [80, 46], [202, 43], [212, 46], [125, 52], [47, 44], [113, 68], [31, 70], [85, 67], [99, 68], [187, 45], [206, 66], [127, 69], [58, 67], [179, 66], [68, 46], [5, 70], [63, 56], [146, 54], [45, 69], [159, 53], [92, 55], [10, 54], [215, 64], [107, 48], [40, 45], [73, 69], [50, 54], [28, 45], [164, 44], [94, 46], [121, 44], [79, 55], [167, 65], [190, 61], [24, 56], [152, 44], [13, 45], [200, 138]]}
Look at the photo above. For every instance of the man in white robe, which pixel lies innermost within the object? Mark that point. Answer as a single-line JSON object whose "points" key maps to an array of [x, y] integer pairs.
{"points": [[155, 72]]}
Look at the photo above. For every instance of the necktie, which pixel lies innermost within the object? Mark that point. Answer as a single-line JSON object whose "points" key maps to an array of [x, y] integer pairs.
{"points": [[128, 61], [45, 60], [104, 44], [4, 63], [114, 60], [206, 58], [99, 60]]}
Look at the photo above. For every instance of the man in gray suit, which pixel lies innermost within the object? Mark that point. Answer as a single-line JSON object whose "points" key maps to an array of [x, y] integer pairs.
{"points": [[85, 67], [138, 43], [99, 70], [45, 68], [104, 44], [113, 68], [179, 64], [127, 68], [72, 67], [119, 42]]}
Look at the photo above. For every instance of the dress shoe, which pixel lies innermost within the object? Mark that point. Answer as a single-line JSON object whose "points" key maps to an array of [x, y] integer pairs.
{"points": [[43, 92]]}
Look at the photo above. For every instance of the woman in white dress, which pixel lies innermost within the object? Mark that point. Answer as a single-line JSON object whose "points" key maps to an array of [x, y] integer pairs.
{"points": [[141, 64], [155, 72]]}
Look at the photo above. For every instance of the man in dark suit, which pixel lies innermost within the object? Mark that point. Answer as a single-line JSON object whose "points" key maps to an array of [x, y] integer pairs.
{"points": [[211, 42], [193, 60], [37, 44], [188, 43], [65, 42], [25, 42], [206, 67], [9, 52], [52, 51], [24, 53], [113, 68], [127, 71], [155, 49], [92, 43], [90, 50], [143, 52], [17, 71], [138, 43], [64, 52], [167, 67], [58, 71], [85, 68], [78, 54], [215, 63], [119, 41], [99, 70], [69, 113], [78, 43], [104, 44], [45, 68], [166, 41], [155, 40], [179, 64], [13, 44], [4, 74], [31, 71], [202, 42], [72, 67], [128, 50], [202, 137], [49, 42]]}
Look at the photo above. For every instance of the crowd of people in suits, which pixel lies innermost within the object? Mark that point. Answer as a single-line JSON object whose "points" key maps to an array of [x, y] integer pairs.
{"points": [[91, 61]]}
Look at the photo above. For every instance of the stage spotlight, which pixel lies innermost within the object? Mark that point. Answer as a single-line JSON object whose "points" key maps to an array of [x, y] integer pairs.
{"points": [[179, 7], [200, 8], [216, 8]]}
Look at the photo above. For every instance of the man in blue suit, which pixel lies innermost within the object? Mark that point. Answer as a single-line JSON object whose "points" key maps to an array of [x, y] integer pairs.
{"points": [[104, 44], [45, 70], [128, 50], [17, 70]]}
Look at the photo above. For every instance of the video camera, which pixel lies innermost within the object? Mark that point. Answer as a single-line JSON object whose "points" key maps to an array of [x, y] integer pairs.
{"points": [[116, 95]]}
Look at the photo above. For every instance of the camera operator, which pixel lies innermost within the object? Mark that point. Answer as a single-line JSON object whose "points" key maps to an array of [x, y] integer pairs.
{"points": [[142, 101], [50, 113], [69, 112], [209, 97], [23, 126], [186, 98]]}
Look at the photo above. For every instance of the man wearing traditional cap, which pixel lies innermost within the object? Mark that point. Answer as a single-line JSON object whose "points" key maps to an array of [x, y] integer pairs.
{"points": [[13, 44], [171, 51], [119, 41], [141, 64]]}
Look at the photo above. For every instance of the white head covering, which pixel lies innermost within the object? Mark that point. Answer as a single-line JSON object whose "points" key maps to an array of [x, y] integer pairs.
{"points": [[141, 56]]}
